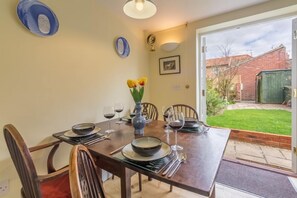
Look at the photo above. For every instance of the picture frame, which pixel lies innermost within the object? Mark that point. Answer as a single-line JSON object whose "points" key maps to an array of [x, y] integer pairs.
{"points": [[169, 65]]}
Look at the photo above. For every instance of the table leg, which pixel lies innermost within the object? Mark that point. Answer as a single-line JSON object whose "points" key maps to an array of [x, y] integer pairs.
{"points": [[125, 182]]}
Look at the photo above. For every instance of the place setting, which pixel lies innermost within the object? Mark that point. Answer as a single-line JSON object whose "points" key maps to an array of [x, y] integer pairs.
{"points": [[84, 133], [149, 153]]}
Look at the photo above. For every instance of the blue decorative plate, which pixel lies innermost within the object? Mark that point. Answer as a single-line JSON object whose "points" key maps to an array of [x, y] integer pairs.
{"points": [[122, 47], [37, 17]]}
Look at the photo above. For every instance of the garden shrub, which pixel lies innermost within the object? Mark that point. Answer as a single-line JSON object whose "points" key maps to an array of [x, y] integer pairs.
{"points": [[214, 103]]}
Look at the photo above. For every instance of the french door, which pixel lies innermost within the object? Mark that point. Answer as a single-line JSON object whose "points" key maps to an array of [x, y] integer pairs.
{"points": [[294, 95], [201, 96]]}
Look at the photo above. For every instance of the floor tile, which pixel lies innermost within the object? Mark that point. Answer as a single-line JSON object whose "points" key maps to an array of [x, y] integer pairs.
{"points": [[159, 189], [293, 181]]}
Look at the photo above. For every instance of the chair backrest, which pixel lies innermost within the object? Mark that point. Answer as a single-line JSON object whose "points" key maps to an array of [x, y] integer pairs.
{"points": [[84, 179], [188, 111], [23, 162], [150, 110]]}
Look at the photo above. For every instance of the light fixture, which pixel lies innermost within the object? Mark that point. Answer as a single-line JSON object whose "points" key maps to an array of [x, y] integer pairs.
{"points": [[169, 46], [140, 9]]}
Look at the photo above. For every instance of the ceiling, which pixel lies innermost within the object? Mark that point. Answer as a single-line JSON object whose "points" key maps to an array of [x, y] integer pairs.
{"points": [[171, 13]]}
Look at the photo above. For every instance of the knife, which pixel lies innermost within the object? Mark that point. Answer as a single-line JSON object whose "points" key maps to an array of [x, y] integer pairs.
{"points": [[174, 169], [169, 167]]}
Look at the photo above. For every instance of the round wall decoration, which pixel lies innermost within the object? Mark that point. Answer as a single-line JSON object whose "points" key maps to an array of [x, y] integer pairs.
{"points": [[122, 47], [150, 40], [37, 17]]}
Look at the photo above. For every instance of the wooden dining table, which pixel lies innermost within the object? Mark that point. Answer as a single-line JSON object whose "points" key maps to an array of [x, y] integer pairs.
{"points": [[204, 154]]}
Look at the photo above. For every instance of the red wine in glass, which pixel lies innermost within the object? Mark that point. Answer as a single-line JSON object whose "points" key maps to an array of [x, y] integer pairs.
{"points": [[109, 115], [108, 112], [119, 107], [176, 122], [176, 125]]}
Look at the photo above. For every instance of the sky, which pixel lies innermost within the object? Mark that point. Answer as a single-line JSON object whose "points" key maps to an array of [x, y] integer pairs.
{"points": [[252, 39]]}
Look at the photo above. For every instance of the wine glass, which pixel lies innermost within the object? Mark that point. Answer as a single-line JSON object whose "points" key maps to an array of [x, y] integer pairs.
{"points": [[176, 122], [119, 107], [167, 112], [108, 112]]}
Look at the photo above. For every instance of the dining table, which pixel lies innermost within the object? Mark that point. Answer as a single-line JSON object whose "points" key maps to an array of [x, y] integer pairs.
{"points": [[204, 153]]}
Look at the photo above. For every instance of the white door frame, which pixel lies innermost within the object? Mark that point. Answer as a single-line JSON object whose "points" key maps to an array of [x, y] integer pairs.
{"points": [[294, 97], [200, 65]]}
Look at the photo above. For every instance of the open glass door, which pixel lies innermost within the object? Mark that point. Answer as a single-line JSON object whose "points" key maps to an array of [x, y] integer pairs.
{"points": [[202, 82], [294, 96]]}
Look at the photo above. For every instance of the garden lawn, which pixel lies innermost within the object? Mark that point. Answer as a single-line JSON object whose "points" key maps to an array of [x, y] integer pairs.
{"points": [[270, 121]]}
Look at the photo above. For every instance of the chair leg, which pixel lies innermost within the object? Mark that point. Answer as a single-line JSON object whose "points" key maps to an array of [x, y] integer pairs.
{"points": [[170, 188], [139, 182], [112, 177]]}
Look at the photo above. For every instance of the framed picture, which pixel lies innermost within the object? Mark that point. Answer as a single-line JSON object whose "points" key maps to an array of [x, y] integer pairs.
{"points": [[169, 65]]}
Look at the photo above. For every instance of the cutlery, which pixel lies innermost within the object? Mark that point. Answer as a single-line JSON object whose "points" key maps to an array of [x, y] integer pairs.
{"points": [[116, 150], [170, 165], [93, 141], [181, 159]]}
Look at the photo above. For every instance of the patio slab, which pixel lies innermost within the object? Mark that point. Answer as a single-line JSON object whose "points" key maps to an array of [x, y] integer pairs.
{"points": [[286, 153], [270, 156], [279, 162], [248, 149], [271, 151]]}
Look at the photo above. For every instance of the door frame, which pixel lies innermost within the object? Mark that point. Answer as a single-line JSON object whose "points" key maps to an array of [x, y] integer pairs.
{"points": [[200, 65], [293, 96]]}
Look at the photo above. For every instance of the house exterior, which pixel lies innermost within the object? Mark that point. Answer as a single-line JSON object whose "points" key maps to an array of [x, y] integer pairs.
{"points": [[247, 69]]}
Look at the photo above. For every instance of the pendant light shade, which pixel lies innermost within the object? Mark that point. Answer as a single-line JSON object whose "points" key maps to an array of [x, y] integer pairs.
{"points": [[140, 9]]}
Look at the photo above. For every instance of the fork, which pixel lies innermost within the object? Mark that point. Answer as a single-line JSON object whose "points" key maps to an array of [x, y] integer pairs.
{"points": [[104, 137], [181, 159]]}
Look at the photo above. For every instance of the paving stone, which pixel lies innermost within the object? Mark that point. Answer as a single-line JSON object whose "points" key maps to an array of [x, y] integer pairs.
{"points": [[231, 143], [271, 151], [251, 158], [287, 153], [279, 162], [249, 149], [230, 154]]}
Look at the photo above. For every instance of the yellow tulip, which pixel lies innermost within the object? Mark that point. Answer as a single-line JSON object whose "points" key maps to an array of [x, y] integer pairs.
{"points": [[142, 81], [131, 83]]}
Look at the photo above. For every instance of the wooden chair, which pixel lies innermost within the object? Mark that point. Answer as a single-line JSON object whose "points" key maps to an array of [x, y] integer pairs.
{"points": [[84, 179], [188, 111], [150, 110], [35, 186]]}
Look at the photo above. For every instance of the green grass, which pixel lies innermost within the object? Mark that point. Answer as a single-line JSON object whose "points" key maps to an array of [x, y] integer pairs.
{"points": [[269, 121]]}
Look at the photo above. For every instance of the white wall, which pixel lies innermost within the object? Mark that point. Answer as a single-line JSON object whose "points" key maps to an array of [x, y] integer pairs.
{"points": [[49, 84], [171, 89]]}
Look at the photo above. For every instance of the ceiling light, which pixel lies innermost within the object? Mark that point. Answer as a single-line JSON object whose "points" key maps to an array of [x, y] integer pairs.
{"points": [[170, 46], [140, 9]]}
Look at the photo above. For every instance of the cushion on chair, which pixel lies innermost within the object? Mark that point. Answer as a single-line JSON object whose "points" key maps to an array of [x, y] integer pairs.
{"points": [[57, 188]]}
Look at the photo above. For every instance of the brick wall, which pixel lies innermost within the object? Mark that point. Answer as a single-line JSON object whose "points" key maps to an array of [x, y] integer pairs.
{"points": [[275, 59], [268, 139]]}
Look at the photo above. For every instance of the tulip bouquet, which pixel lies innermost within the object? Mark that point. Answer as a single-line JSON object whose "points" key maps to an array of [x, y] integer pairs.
{"points": [[137, 88]]}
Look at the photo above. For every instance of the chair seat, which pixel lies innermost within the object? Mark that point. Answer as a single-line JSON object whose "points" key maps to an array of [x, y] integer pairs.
{"points": [[58, 188]]}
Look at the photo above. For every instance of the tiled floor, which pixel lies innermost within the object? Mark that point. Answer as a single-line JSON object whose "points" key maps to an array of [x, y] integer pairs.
{"points": [[158, 189], [235, 150], [275, 157]]}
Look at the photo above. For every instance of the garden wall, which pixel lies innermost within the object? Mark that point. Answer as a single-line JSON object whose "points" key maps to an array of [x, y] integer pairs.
{"points": [[268, 139]]}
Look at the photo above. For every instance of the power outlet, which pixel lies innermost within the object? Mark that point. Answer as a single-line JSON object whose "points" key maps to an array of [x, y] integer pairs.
{"points": [[4, 187]]}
